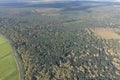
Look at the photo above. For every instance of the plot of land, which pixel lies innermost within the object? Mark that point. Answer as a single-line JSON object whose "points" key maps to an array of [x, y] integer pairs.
{"points": [[13, 11], [40, 10], [8, 68], [50, 14], [107, 33]]}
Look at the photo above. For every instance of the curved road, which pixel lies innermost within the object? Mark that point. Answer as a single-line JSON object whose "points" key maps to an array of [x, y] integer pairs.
{"points": [[19, 63]]}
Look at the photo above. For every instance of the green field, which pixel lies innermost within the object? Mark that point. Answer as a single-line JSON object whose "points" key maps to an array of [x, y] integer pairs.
{"points": [[8, 68]]}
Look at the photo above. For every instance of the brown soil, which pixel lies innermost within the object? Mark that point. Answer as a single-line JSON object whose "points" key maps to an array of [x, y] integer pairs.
{"points": [[107, 33], [39, 10]]}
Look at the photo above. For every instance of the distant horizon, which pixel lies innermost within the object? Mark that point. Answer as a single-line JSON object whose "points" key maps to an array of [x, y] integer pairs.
{"points": [[34, 1]]}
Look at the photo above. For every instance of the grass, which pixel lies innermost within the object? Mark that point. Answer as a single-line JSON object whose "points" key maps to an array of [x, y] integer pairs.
{"points": [[8, 68]]}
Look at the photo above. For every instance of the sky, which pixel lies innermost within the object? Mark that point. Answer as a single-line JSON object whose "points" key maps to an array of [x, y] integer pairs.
{"points": [[53, 0]]}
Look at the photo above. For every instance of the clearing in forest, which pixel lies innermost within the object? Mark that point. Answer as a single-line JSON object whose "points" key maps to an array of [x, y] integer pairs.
{"points": [[46, 10], [106, 33], [8, 68]]}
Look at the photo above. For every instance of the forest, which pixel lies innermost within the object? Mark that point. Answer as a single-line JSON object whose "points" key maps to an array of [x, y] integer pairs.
{"points": [[60, 41]]}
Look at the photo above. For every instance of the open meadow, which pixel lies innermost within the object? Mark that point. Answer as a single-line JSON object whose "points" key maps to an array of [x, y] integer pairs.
{"points": [[8, 69]]}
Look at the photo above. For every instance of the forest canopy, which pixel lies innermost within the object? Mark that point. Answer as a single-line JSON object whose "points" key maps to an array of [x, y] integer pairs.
{"points": [[64, 41]]}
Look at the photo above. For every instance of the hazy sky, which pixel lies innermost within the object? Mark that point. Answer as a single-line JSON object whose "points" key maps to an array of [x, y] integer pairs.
{"points": [[52, 0]]}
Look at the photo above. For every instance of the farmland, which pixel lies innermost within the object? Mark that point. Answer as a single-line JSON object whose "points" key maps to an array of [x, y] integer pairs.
{"points": [[8, 69]]}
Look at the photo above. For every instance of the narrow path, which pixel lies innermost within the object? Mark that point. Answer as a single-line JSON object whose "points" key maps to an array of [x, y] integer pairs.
{"points": [[18, 63]]}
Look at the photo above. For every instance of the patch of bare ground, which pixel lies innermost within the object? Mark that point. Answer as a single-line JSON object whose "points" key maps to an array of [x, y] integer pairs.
{"points": [[107, 33], [42, 10], [50, 14], [13, 11]]}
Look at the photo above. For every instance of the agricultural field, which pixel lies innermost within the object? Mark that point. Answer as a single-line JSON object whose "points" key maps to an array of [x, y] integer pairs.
{"points": [[8, 68]]}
